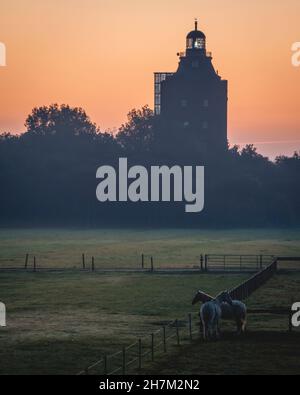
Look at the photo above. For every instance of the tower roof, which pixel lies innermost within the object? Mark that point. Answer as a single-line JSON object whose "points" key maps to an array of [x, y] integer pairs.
{"points": [[194, 34]]}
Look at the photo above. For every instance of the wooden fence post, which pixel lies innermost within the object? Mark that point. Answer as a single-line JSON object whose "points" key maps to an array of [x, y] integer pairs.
{"points": [[177, 333], [105, 365], [143, 261], [201, 262], [140, 354], [290, 322], [152, 347], [291, 317], [124, 361], [93, 264], [83, 261], [164, 339], [261, 262], [206, 262], [190, 326], [152, 264], [34, 264], [200, 326], [26, 261]]}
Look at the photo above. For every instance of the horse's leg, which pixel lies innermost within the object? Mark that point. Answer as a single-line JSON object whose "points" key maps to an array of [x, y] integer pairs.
{"points": [[205, 332], [239, 326], [203, 325], [218, 334], [216, 324], [244, 324], [209, 331]]}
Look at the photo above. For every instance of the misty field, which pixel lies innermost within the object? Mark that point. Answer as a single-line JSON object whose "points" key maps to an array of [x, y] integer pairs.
{"points": [[123, 247], [59, 323]]}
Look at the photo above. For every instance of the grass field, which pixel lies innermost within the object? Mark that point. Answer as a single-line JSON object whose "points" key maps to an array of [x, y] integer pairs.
{"points": [[120, 248], [60, 323], [271, 353]]}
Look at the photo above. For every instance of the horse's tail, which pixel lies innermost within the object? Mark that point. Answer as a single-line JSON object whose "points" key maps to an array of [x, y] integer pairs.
{"points": [[205, 313], [206, 319]]}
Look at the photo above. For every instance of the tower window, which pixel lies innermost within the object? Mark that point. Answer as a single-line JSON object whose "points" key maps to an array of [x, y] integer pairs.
{"points": [[200, 43], [186, 124], [205, 103], [189, 43]]}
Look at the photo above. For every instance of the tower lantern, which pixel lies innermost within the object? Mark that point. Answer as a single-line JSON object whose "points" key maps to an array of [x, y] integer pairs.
{"points": [[196, 41]]}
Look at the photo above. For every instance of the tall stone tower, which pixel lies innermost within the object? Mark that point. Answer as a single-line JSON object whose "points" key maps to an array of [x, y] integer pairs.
{"points": [[192, 102]]}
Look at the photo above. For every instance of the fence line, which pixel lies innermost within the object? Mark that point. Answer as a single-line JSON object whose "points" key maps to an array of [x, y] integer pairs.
{"points": [[141, 350], [236, 262], [244, 290], [149, 263], [145, 349]]}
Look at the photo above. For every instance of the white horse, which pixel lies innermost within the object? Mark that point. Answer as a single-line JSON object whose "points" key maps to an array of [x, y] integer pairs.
{"points": [[237, 311], [211, 313]]}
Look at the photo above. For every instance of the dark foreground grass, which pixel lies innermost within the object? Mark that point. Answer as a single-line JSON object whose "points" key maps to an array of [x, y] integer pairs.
{"points": [[258, 353], [59, 323]]}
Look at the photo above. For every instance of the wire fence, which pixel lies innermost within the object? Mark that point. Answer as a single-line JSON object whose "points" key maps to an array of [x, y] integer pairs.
{"points": [[244, 290], [145, 349], [141, 263], [237, 262]]}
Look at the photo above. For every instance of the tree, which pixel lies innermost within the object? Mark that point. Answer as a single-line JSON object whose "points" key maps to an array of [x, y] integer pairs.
{"points": [[61, 121], [137, 133]]}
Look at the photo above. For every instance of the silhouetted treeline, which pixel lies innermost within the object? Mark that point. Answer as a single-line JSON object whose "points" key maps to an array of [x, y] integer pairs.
{"points": [[48, 176]]}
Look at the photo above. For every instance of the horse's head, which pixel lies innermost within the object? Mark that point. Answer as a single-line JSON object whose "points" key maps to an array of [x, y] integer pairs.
{"points": [[225, 297], [201, 297]]}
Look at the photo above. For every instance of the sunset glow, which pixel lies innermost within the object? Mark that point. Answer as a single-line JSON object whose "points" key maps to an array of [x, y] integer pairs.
{"points": [[101, 55]]}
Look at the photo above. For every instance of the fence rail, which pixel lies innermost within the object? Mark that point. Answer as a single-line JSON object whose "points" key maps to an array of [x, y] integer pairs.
{"points": [[245, 290], [145, 263], [145, 349], [237, 262]]}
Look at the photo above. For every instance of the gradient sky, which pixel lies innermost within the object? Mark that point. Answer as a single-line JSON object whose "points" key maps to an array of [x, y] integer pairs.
{"points": [[101, 55]]}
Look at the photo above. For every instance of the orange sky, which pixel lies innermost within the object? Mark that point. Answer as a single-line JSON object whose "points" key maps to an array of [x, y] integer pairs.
{"points": [[101, 55]]}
